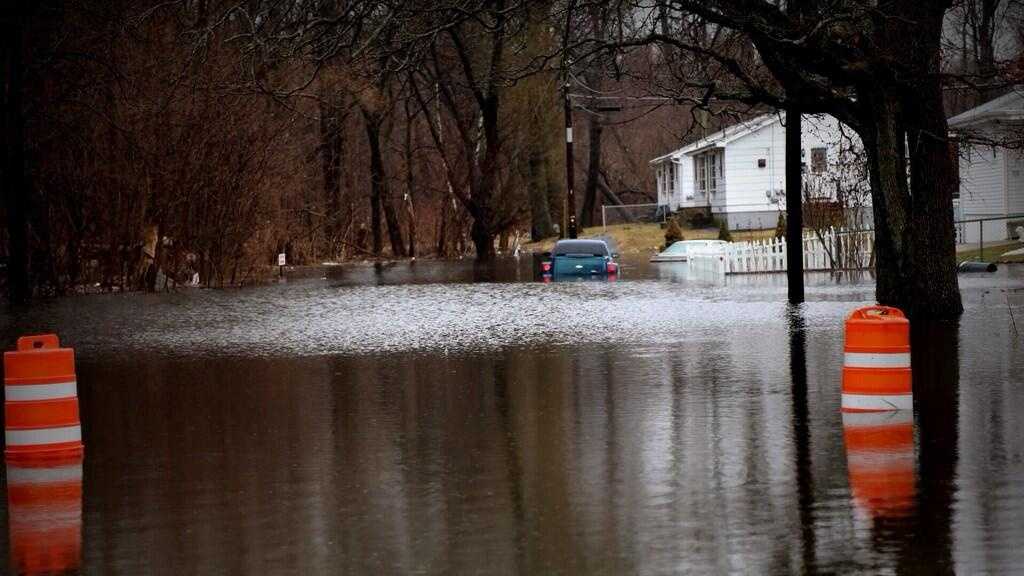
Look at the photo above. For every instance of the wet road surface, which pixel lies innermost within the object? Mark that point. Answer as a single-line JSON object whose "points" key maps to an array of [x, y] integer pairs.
{"points": [[419, 420]]}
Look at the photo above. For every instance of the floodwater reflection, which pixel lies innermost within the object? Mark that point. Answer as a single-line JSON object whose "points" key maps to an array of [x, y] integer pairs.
{"points": [[880, 462], [652, 427], [44, 509], [801, 431]]}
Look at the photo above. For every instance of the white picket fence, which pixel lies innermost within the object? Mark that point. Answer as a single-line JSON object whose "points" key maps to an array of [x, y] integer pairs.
{"points": [[833, 250]]}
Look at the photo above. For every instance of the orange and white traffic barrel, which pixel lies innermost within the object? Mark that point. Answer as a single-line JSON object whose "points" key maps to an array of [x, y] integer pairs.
{"points": [[41, 400], [876, 361], [44, 507], [880, 460]]}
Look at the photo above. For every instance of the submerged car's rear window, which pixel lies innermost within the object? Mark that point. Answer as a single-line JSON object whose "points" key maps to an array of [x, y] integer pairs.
{"points": [[580, 247]]}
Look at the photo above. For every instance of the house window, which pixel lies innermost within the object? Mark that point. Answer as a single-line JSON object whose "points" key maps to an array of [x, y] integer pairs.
{"points": [[700, 176], [708, 171], [666, 180], [660, 177], [819, 160], [712, 172]]}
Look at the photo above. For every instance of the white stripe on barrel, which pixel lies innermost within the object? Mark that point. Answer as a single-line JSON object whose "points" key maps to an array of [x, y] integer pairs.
{"points": [[59, 474], [43, 436], [862, 420], [878, 401], [30, 392], [872, 459], [875, 360]]}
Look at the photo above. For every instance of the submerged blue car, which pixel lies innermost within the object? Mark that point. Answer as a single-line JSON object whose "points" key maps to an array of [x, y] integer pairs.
{"points": [[579, 259]]}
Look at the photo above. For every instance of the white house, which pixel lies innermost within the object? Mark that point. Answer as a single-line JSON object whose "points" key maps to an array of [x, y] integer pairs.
{"points": [[739, 172], [991, 177]]}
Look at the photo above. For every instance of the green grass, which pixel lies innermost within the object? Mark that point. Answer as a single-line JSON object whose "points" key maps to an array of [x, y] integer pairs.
{"points": [[991, 253], [649, 238]]}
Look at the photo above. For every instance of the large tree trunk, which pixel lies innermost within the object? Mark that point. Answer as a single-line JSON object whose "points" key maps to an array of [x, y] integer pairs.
{"points": [[482, 195], [332, 154], [376, 183], [884, 141], [933, 182], [540, 211], [15, 181], [483, 240], [380, 198], [483, 158], [442, 228]]}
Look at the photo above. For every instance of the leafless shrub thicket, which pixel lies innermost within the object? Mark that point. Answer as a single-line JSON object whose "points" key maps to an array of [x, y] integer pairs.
{"points": [[144, 165]]}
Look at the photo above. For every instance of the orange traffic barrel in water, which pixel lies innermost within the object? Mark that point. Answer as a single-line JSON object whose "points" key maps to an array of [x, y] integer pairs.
{"points": [[44, 507], [880, 460], [876, 361], [41, 400]]}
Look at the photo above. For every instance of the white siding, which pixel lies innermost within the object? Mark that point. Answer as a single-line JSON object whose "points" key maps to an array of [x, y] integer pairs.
{"points": [[987, 231], [1015, 182], [991, 184], [823, 131], [981, 182], [982, 193], [746, 183]]}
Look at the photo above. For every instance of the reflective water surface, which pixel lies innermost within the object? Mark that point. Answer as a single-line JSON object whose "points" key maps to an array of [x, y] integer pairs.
{"points": [[441, 419]]}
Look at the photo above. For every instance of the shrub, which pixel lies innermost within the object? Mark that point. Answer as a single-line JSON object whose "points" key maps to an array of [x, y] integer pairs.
{"points": [[701, 219], [673, 233], [723, 231]]}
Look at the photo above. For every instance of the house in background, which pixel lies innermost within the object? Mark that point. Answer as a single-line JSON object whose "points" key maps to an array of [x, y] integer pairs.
{"points": [[739, 172], [991, 177]]}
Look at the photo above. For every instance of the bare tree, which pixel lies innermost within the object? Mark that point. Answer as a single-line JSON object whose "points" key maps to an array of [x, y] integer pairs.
{"points": [[333, 116], [876, 69], [469, 60], [598, 16]]}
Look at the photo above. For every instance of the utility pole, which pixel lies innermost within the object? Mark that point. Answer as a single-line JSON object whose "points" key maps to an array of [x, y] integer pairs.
{"points": [[794, 186], [794, 208], [570, 192]]}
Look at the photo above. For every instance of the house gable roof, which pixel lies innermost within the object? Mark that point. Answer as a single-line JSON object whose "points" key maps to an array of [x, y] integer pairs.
{"points": [[1006, 107], [722, 137]]}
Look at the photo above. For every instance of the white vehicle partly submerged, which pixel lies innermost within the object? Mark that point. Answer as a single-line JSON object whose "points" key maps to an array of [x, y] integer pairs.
{"points": [[680, 251]]}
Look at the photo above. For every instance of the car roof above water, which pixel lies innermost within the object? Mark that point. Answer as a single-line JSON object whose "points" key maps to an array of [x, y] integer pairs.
{"points": [[592, 247], [684, 246]]}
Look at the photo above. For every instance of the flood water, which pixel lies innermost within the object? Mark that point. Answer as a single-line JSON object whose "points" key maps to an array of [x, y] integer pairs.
{"points": [[420, 420]]}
